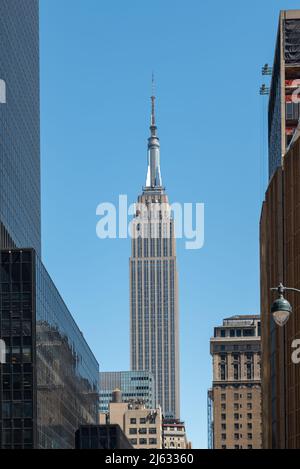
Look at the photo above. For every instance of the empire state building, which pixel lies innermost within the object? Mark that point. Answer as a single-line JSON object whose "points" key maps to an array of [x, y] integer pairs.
{"points": [[153, 285]]}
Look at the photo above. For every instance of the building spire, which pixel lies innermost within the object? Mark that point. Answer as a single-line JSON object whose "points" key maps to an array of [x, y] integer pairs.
{"points": [[154, 180]]}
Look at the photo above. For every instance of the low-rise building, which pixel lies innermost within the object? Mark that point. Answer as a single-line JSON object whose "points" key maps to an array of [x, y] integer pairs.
{"points": [[101, 437], [142, 426], [174, 435]]}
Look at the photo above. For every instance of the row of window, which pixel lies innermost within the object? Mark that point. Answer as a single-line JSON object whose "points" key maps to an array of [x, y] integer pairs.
{"points": [[237, 332], [237, 416], [238, 447], [223, 371], [236, 396], [143, 441], [142, 420], [237, 426], [17, 410], [230, 347], [142, 431], [237, 436], [17, 437], [237, 406]]}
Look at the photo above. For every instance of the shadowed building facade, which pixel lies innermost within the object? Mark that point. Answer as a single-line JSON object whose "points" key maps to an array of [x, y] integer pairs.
{"points": [[153, 285], [280, 242], [280, 262], [49, 381]]}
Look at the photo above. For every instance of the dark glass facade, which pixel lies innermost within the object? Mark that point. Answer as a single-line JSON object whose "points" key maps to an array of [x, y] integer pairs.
{"points": [[101, 437], [49, 383], [19, 125]]}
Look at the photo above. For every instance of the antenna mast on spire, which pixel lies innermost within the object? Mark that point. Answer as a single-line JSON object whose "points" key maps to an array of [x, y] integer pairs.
{"points": [[153, 102]]}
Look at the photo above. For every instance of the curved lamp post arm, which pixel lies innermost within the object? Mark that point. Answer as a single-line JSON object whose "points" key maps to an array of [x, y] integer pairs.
{"points": [[292, 289], [281, 289]]}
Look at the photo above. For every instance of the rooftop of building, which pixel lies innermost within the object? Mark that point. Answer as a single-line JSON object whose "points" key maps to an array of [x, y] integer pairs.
{"points": [[170, 422], [242, 317]]}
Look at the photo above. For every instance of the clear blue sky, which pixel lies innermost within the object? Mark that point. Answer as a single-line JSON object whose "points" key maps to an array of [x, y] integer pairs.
{"points": [[96, 63]]}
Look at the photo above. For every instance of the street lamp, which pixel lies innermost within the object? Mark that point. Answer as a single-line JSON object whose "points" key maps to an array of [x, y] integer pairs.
{"points": [[281, 308]]}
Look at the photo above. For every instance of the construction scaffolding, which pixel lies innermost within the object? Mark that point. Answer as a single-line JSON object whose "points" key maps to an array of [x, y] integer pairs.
{"points": [[210, 419]]}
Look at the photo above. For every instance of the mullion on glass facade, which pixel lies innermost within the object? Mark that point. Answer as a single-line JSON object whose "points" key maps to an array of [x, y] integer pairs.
{"points": [[49, 383]]}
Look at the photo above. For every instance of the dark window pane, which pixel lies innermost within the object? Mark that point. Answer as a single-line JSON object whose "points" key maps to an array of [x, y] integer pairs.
{"points": [[26, 272], [5, 257], [26, 354], [17, 382], [6, 437], [16, 355], [6, 382], [4, 273], [26, 256], [17, 423], [28, 436], [27, 410], [16, 272], [27, 423], [17, 410], [15, 257], [6, 410], [17, 437]]}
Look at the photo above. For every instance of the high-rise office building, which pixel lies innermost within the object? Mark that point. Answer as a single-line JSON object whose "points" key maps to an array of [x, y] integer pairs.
{"points": [[135, 385], [49, 381], [20, 213], [283, 111], [153, 285], [280, 243], [280, 262], [235, 397]]}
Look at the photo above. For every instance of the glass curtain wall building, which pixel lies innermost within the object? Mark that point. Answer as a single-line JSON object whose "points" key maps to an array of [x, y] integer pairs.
{"points": [[49, 383], [20, 213], [135, 385]]}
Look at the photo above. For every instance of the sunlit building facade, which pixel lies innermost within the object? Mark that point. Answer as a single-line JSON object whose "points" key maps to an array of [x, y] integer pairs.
{"points": [[153, 285], [235, 413]]}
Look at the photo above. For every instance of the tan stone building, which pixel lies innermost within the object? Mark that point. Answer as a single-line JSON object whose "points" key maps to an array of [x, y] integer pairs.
{"points": [[142, 426], [235, 397], [174, 435]]}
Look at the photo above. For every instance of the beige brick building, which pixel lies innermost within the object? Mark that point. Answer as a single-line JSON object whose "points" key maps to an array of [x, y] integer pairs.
{"points": [[142, 426], [174, 435], [235, 397]]}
